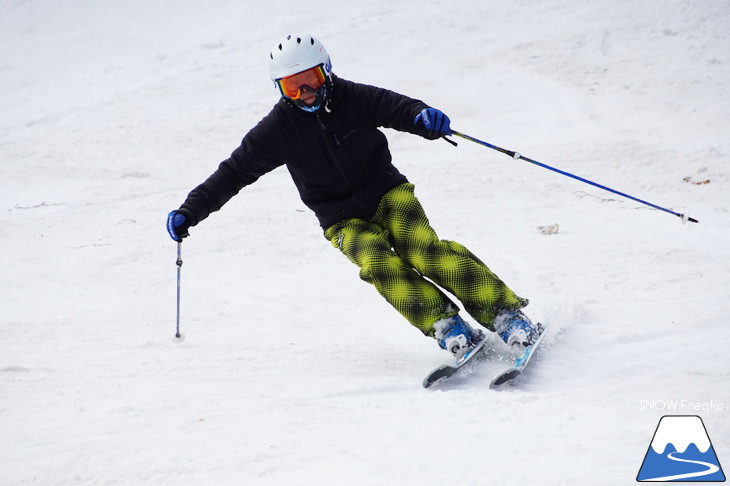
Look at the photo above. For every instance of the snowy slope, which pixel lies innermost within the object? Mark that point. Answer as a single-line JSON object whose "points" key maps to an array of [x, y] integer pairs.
{"points": [[293, 370]]}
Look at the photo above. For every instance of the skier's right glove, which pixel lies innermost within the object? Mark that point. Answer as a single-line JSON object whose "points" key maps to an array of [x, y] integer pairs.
{"points": [[178, 222]]}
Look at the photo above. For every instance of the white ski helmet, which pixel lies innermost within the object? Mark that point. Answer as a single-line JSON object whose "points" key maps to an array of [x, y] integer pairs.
{"points": [[297, 53]]}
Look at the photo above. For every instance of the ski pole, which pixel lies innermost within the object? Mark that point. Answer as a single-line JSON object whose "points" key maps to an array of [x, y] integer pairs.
{"points": [[518, 156], [178, 337]]}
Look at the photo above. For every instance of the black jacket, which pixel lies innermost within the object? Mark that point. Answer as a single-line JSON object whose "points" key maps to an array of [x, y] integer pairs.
{"points": [[338, 158]]}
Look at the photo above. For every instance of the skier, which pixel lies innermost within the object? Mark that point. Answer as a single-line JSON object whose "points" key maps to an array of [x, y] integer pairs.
{"points": [[325, 129]]}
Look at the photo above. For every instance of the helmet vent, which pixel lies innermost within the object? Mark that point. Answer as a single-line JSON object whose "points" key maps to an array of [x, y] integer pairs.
{"points": [[295, 52]]}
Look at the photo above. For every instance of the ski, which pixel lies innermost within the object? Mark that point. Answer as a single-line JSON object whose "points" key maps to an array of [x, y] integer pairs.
{"points": [[521, 362], [446, 371]]}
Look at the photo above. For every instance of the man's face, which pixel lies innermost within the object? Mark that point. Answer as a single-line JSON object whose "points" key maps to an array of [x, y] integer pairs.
{"points": [[308, 96], [303, 85]]}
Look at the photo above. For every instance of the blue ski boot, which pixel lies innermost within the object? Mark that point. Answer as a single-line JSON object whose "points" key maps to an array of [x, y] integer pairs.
{"points": [[456, 336], [515, 328]]}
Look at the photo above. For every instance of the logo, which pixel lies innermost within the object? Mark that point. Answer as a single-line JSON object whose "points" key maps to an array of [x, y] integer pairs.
{"points": [[681, 451]]}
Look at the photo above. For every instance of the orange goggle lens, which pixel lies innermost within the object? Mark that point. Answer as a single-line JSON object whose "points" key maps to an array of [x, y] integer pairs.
{"points": [[291, 86]]}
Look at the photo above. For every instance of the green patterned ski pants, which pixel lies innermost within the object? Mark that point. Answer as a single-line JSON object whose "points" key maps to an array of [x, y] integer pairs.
{"points": [[397, 248]]}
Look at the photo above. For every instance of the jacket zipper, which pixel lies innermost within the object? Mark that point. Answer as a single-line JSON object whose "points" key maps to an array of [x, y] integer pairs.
{"points": [[333, 157]]}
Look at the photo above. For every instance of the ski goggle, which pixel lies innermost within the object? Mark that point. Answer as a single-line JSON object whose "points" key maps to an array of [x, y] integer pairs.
{"points": [[291, 86]]}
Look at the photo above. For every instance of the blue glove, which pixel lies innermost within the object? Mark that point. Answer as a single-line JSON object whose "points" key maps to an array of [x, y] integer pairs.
{"points": [[435, 121], [178, 224]]}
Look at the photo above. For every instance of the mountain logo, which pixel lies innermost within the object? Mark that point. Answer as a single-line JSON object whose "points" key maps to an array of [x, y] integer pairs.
{"points": [[681, 451]]}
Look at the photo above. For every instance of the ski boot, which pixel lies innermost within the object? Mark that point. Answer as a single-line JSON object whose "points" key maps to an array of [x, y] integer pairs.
{"points": [[456, 336], [515, 328]]}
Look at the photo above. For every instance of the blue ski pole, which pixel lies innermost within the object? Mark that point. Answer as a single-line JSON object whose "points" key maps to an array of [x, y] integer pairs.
{"points": [[179, 337], [518, 156]]}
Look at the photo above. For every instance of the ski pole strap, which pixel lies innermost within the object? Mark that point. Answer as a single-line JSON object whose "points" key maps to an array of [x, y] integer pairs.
{"points": [[450, 141], [518, 156]]}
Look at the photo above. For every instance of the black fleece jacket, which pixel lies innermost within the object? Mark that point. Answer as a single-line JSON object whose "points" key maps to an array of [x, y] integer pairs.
{"points": [[337, 157]]}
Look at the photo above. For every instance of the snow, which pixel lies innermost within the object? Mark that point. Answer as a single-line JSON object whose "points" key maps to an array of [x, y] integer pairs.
{"points": [[293, 370]]}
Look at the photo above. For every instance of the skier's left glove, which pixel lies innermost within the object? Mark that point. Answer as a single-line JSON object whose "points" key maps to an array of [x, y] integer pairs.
{"points": [[178, 222], [435, 121]]}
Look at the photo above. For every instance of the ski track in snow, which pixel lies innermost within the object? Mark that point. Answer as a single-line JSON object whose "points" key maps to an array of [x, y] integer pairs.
{"points": [[293, 370]]}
